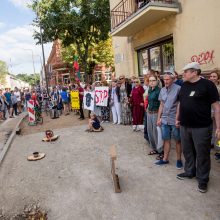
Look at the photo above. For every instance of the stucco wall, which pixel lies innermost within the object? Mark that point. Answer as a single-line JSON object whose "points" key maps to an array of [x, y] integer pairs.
{"points": [[124, 59], [195, 31]]}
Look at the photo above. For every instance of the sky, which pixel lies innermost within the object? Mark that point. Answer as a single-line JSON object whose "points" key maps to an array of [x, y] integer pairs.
{"points": [[16, 41]]}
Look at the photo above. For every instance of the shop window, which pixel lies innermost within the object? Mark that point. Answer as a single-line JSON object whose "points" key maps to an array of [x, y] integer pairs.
{"points": [[168, 56], [155, 61], [159, 56], [143, 62]]}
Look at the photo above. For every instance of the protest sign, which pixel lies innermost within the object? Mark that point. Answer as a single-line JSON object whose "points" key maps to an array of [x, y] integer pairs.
{"points": [[89, 100], [74, 95], [101, 96]]}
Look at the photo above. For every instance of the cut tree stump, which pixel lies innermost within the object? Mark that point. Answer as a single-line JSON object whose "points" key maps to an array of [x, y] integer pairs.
{"points": [[113, 157]]}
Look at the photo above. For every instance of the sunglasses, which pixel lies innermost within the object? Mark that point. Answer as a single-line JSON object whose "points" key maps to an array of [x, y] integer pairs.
{"points": [[121, 78], [153, 80]]}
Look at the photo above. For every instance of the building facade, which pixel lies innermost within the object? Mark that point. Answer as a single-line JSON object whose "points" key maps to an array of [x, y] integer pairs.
{"points": [[62, 73], [58, 72], [164, 34], [11, 82]]}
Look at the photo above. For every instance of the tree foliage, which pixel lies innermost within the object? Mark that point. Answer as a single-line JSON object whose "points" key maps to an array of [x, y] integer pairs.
{"points": [[79, 22], [98, 53], [3, 71], [32, 79]]}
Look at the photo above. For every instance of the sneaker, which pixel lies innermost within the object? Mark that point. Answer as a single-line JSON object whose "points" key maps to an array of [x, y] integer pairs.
{"points": [[114, 123], [179, 164], [161, 162], [183, 176], [202, 187], [134, 127]]}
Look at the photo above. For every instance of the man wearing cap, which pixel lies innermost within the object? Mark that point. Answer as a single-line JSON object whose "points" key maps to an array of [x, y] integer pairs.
{"points": [[196, 97], [167, 117]]}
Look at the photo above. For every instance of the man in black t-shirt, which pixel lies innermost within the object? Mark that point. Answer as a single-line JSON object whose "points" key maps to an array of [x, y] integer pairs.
{"points": [[196, 97]]}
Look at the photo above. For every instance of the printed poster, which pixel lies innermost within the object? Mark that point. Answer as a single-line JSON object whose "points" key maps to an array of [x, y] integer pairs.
{"points": [[89, 100], [74, 95]]}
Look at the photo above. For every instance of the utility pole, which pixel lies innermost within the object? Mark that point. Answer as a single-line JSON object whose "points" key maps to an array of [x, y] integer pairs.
{"points": [[42, 47], [32, 53]]}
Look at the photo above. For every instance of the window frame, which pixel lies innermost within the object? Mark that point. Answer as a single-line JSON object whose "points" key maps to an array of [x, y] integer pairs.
{"points": [[158, 43]]}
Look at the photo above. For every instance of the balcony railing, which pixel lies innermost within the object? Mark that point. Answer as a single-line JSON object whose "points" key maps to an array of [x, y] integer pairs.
{"points": [[126, 8]]}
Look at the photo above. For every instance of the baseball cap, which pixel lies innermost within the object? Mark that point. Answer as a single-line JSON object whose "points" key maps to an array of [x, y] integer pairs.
{"points": [[193, 65], [170, 72]]}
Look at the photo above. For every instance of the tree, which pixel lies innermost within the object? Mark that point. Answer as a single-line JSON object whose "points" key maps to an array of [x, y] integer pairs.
{"points": [[3, 72], [79, 22], [98, 53], [32, 79]]}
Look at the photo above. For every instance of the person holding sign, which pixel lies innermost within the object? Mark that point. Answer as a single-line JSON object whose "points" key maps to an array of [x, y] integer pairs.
{"points": [[105, 110], [81, 93]]}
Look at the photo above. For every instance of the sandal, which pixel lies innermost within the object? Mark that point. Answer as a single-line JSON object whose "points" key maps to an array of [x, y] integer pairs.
{"points": [[159, 157], [153, 152]]}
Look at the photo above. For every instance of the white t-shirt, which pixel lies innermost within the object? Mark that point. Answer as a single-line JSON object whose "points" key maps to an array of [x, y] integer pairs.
{"points": [[18, 95]]}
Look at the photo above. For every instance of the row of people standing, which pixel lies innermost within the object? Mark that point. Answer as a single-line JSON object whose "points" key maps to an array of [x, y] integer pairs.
{"points": [[11, 102]]}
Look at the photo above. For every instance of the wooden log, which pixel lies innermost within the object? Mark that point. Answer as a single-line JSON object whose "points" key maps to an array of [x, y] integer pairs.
{"points": [[113, 152], [115, 177]]}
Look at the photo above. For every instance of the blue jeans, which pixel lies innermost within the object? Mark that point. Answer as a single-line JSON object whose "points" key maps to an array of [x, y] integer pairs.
{"points": [[169, 132]]}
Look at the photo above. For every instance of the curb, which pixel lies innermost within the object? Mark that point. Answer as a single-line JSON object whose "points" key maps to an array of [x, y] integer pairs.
{"points": [[10, 139]]}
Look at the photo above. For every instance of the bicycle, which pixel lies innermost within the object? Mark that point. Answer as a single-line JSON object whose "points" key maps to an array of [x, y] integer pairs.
{"points": [[38, 115]]}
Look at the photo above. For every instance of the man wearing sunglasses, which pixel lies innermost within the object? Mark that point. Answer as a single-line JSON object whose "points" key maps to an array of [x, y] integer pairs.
{"points": [[196, 97]]}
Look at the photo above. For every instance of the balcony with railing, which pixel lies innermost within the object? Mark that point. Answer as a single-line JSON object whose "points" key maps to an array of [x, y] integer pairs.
{"points": [[130, 16]]}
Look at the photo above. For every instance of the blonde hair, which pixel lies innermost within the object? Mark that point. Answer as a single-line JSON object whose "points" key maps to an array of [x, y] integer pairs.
{"points": [[92, 114]]}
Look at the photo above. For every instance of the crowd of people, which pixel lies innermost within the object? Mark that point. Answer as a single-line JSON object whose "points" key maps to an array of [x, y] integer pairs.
{"points": [[186, 110]]}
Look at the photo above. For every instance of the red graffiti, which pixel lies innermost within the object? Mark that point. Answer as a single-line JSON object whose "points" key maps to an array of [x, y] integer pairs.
{"points": [[203, 58], [100, 96]]}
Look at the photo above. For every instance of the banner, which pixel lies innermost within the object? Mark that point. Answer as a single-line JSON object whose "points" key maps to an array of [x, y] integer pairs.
{"points": [[74, 95], [89, 100], [101, 96]]}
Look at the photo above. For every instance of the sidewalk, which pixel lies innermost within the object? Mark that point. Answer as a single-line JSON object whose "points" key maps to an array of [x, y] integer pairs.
{"points": [[7, 127], [74, 180]]}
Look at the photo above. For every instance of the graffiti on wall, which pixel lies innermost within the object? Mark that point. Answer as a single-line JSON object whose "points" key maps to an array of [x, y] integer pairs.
{"points": [[204, 57]]}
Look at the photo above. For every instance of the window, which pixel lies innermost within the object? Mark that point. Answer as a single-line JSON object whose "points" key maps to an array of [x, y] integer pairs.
{"points": [[159, 56]]}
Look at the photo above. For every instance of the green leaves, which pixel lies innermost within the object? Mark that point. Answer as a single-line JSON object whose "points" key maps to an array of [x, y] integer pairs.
{"points": [[79, 22], [3, 71]]}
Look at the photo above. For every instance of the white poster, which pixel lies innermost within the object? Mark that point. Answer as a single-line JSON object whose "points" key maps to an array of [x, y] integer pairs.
{"points": [[89, 100], [101, 96]]}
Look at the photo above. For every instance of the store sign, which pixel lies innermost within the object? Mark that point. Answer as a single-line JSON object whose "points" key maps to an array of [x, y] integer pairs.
{"points": [[204, 57]]}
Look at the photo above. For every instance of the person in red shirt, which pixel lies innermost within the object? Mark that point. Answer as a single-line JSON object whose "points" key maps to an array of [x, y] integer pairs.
{"points": [[137, 105], [34, 97], [81, 93]]}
